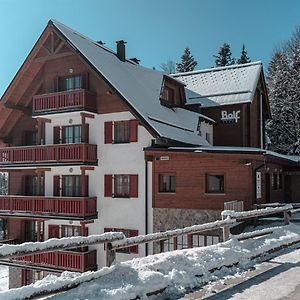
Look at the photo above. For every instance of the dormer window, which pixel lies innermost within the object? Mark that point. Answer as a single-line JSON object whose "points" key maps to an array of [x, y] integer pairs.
{"points": [[168, 94]]}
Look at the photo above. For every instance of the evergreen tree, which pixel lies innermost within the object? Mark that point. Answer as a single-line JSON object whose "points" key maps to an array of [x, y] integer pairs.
{"points": [[244, 57], [168, 67], [284, 94], [224, 56], [188, 63]]}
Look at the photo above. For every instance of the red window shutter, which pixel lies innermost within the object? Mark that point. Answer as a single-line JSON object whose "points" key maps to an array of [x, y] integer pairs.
{"points": [[85, 186], [53, 231], [56, 135], [133, 130], [107, 229], [56, 180], [133, 192], [107, 185], [85, 133], [108, 132], [134, 249], [86, 231]]}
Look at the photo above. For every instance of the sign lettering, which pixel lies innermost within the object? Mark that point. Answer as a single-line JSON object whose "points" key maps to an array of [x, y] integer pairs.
{"points": [[230, 117]]}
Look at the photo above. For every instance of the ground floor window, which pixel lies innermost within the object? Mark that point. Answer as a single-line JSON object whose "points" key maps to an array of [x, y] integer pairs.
{"points": [[167, 183], [215, 183]]}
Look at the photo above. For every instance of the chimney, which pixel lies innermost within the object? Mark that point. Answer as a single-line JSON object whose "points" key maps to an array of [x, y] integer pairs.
{"points": [[121, 50]]}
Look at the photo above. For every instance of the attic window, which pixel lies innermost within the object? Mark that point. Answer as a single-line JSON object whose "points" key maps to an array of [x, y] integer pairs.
{"points": [[168, 94]]}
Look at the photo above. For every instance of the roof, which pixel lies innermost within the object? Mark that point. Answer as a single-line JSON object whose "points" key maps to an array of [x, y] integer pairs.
{"points": [[221, 86], [244, 150], [140, 87]]}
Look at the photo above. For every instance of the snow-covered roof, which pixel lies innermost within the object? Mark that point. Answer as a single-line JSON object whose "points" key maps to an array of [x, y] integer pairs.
{"points": [[221, 86], [140, 87]]}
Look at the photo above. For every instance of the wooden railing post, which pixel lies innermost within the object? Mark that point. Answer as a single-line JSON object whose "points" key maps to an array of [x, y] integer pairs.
{"points": [[226, 231], [110, 254], [286, 215]]}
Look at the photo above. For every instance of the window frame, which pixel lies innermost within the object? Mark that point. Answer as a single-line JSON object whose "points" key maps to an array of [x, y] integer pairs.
{"points": [[214, 192], [75, 138], [121, 132], [160, 183], [76, 190], [123, 188], [63, 83]]}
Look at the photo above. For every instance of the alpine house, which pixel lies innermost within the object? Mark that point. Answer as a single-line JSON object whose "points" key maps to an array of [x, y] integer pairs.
{"points": [[92, 142]]}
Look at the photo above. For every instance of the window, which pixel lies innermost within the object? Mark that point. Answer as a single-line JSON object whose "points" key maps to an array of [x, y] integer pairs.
{"points": [[71, 134], [70, 83], [128, 233], [274, 181], [279, 183], [69, 230], [168, 94], [215, 184], [122, 186], [121, 132], [167, 183], [31, 184], [71, 186]]}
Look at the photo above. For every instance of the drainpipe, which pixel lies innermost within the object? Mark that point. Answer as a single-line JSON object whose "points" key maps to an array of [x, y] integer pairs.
{"points": [[261, 121], [146, 205]]}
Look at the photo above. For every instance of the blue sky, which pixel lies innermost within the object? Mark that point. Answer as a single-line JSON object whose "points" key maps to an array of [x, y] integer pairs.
{"points": [[155, 31]]}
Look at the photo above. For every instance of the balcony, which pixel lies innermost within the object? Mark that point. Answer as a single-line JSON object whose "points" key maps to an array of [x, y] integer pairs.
{"points": [[65, 101], [54, 207], [62, 260], [49, 155]]}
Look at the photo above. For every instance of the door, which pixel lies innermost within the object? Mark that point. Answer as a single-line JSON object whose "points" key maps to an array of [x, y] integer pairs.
{"points": [[267, 189]]}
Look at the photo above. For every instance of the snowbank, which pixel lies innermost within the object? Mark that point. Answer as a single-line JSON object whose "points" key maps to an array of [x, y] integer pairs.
{"points": [[171, 272]]}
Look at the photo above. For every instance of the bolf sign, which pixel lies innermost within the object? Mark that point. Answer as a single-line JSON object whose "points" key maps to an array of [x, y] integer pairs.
{"points": [[230, 117]]}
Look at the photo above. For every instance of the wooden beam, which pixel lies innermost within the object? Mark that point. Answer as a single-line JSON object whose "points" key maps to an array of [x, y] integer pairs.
{"points": [[23, 109], [60, 45], [44, 120], [53, 56], [41, 170], [87, 115], [87, 222], [47, 50], [87, 168]]}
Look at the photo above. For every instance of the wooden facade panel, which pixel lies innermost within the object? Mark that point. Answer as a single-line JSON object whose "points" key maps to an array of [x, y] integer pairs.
{"points": [[191, 169]]}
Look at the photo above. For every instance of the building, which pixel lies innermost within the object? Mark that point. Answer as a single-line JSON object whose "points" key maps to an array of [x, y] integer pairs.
{"points": [[93, 142]]}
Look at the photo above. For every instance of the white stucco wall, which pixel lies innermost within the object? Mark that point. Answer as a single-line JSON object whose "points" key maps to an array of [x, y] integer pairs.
{"points": [[128, 213]]}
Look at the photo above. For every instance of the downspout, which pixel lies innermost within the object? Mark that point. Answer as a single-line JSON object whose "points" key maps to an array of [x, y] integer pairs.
{"points": [[261, 121], [146, 205]]}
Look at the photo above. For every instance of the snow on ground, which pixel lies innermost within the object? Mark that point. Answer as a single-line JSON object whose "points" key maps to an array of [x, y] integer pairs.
{"points": [[3, 278], [176, 272]]}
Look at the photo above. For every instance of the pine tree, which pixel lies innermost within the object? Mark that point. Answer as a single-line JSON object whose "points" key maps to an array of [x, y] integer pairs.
{"points": [[188, 63], [244, 57], [224, 56]]}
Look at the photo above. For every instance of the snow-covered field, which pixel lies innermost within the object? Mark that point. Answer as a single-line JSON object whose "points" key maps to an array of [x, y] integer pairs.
{"points": [[3, 278], [174, 272]]}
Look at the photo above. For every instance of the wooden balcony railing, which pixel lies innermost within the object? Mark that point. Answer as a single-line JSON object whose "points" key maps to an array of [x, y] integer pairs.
{"points": [[60, 153], [64, 101], [63, 260], [77, 207]]}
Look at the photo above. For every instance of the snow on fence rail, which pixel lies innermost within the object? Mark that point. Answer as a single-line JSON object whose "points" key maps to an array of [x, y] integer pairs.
{"points": [[9, 251]]}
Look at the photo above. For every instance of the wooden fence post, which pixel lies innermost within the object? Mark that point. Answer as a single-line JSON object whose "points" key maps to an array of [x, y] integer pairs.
{"points": [[226, 231], [286, 216], [110, 254]]}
